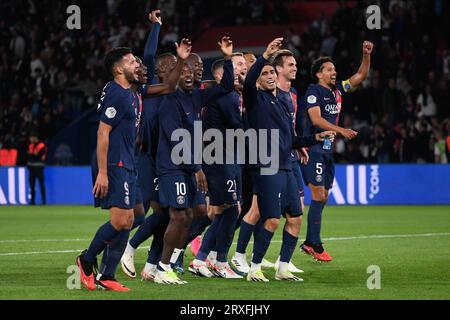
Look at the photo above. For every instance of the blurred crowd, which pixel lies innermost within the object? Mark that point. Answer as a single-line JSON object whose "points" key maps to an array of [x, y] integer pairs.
{"points": [[50, 76]]}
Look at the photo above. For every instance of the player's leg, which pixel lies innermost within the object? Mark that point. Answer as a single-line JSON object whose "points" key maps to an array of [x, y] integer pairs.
{"points": [[291, 230], [120, 223], [115, 249], [177, 193], [247, 227], [154, 254], [268, 189], [150, 223], [119, 201], [300, 199], [316, 175]]}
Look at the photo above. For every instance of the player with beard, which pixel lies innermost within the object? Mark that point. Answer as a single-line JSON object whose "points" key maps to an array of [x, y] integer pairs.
{"points": [[224, 178], [323, 103], [179, 183], [115, 162]]}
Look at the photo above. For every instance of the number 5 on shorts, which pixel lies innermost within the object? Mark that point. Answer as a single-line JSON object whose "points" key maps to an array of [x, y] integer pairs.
{"points": [[319, 168]]}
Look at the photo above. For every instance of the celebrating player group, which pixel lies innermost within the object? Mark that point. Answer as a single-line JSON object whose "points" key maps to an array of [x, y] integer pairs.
{"points": [[147, 157]]}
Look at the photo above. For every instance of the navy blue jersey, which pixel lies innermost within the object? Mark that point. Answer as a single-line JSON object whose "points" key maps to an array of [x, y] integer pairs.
{"points": [[290, 100], [224, 113], [179, 110], [120, 108], [265, 111], [329, 101], [149, 125]]}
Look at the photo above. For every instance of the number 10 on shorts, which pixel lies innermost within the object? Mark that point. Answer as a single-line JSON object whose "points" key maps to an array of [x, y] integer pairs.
{"points": [[181, 188]]}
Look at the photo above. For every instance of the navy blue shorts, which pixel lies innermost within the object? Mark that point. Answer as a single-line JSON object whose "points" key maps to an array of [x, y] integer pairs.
{"points": [[298, 178], [148, 182], [179, 191], [224, 183], [122, 185], [277, 194], [319, 171]]}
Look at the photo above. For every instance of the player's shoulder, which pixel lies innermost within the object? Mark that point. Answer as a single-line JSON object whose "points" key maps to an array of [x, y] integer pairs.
{"points": [[313, 93], [114, 91]]}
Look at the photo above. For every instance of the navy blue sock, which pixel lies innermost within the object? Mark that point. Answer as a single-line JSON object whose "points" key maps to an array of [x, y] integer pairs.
{"points": [[225, 232], [104, 234], [148, 228], [138, 220], [288, 246], [209, 239], [113, 253], [262, 242], [244, 236], [146, 206], [156, 248], [314, 222], [198, 226]]}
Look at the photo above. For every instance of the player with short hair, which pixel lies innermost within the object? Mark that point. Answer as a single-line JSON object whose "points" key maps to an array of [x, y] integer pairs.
{"points": [[323, 103], [196, 62], [178, 184], [250, 58], [224, 179], [286, 68], [276, 193], [119, 105]]}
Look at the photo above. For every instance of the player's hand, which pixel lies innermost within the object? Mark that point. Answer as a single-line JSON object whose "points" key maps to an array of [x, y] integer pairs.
{"points": [[325, 134], [184, 49], [100, 189], [348, 133], [367, 47], [226, 46], [155, 16], [273, 47], [304, 156], [202, 185]]}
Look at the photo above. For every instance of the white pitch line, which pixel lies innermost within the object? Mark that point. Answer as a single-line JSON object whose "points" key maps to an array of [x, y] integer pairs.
{"points": [[44, 240], [380, 236]]}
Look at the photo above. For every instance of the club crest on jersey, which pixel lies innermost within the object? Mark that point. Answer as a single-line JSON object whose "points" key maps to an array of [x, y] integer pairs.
{"points": [[312, 99], [180, 200], [127, 200], [234, 196], [110, 112], [319, 178]]}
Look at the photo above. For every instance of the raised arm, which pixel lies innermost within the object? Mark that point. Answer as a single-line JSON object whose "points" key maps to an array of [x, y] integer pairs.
{"points": [[152, 44], [363, 70], [226, 85], [183, 51], [250, 90]]}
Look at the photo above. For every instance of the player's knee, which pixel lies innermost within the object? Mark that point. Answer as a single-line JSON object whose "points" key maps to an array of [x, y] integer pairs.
{"points": [[319, 195], [293, 224], [200, 211], [272, 224]]}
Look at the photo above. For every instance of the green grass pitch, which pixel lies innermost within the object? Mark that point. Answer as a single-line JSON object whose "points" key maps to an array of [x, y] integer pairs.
{"points": [[410, 245]]}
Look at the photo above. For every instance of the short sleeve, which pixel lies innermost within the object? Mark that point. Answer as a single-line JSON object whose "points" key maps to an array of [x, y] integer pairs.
{"points": [[113, 108], [312, 97]]}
